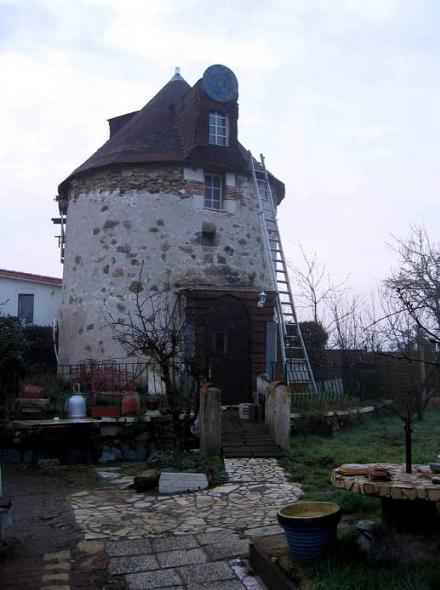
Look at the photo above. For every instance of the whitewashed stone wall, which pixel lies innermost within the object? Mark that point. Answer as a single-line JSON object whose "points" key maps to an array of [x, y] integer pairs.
{"points": [[117, 221]]}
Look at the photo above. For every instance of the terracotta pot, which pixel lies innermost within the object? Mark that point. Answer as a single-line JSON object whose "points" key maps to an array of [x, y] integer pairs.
{"points": [[103, 412], [32, 392], [130, 404], [152, 404]]}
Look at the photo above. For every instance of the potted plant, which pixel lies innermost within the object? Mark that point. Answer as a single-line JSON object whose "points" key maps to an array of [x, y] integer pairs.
{"points": [[105, 406], [310, 527]]}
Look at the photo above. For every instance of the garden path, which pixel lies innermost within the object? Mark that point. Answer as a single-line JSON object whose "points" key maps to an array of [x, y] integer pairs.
{"points": [[186, 540], [249, 501]]}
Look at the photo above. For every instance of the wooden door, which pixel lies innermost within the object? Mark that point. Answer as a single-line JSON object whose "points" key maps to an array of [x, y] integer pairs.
{"points": [[229, 343]]}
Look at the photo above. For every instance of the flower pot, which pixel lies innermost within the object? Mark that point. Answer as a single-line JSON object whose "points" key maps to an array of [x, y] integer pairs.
{"points": [[130, 404], [103, 412], [310, 527], [153, 404], [31, 391]]}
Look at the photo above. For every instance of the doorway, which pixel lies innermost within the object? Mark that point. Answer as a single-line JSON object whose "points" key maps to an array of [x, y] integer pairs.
{"points": [[228, 342]]}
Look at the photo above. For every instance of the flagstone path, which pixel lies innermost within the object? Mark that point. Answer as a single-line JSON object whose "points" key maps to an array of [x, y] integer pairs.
{"points": [[247, 504], [187, 541]]}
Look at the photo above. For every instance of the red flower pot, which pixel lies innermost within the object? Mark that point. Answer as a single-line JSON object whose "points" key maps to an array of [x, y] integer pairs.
{"points": [[102, 412], [32, 392], [130, 404]]}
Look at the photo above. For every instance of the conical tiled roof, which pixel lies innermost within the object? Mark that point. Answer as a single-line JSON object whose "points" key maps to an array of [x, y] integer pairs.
{"points": [[151, 135], [158, 133]]}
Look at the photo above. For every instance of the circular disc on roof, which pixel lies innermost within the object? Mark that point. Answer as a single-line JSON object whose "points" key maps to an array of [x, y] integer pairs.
{"points": [[220, 83]]}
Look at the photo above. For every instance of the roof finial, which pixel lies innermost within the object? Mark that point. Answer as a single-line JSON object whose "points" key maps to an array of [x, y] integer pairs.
{"points": [[177, 75]]}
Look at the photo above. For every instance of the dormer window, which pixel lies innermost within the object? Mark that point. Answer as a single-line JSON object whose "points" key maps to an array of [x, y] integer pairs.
{"points": [[218, 128]]}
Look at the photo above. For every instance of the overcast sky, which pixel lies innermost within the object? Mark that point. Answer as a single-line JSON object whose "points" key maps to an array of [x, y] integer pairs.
{"points": [[342, 97]]}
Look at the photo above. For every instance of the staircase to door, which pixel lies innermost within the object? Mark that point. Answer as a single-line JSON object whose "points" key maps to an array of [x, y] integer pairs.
{"points": [[243, 438]]}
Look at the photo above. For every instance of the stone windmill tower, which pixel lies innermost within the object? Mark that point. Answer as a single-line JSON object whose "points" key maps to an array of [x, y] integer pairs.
{"points": [[171, 192]]}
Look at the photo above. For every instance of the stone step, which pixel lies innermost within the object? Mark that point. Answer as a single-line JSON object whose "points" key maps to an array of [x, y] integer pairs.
{"points": [[245, 436], [245, 440], [252, 451]]}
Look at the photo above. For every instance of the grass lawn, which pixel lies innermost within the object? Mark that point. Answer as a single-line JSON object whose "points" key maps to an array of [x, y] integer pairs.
{"points": [[377, 439]]}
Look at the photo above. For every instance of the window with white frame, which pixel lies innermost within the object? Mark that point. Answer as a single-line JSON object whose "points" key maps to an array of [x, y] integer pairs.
{"points": [[218, 128], [213, 191]]}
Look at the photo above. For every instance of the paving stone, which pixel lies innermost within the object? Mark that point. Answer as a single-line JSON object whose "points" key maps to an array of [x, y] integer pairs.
{"points": [[53, 577], [151, 580], [175, 542], [60, 555], [173, 483], [57, 566], [181, 557], [219, 585], [206, 572], [131, 564], [264, 531], [128, 547], [216, 537], [250, 505], [90, 547], [234, 548]]}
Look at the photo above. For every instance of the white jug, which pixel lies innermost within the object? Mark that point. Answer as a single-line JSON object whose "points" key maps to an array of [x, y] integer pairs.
{"points": [[76, 404]]}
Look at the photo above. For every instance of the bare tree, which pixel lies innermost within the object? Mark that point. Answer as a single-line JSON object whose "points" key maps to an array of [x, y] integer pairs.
{"points": [[415, 286], [327, 303], [156, 329], [312, 285], [408, 327]]}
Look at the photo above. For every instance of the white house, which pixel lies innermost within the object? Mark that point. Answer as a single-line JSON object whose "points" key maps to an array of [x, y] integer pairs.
{"points": [[33, 298]]}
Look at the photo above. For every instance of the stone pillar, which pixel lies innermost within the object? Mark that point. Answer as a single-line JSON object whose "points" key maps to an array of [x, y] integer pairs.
{"points": [[277, 418], [210, 421]]}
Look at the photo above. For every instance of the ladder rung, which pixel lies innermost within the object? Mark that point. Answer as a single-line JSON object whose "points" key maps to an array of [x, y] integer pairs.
{"points": [[297, 365]]}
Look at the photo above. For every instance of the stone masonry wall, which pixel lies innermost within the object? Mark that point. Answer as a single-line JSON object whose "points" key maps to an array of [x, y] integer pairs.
{"points": [[156, 180], [116, 224]]}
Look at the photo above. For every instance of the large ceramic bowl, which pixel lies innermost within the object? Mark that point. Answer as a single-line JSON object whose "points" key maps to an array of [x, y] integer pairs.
{"points": [[310, 527]]}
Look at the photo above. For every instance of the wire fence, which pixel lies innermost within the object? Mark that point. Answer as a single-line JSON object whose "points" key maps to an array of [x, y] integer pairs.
{"points": [[363, 375], [115, 377]]}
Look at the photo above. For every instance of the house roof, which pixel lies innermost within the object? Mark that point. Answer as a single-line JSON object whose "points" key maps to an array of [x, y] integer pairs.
{"points": [[157, 133], [150, 135], [27, 276]]}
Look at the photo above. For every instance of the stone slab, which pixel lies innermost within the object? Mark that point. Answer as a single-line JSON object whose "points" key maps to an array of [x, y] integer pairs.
{"points": [[216, 537], [128, 547], [174, 483], [131, 564], [206, 572], [175, 542], [234, 548], [181, 557], [219, 585], [153, 580]]}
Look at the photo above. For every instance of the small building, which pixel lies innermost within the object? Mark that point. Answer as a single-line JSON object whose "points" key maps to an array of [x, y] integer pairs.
{"points": [[172, 193], [35, 299]]}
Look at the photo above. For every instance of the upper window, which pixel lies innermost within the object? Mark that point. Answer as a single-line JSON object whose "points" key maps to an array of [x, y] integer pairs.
{"points": [[213, 191], [218, 128], [26, 308]]}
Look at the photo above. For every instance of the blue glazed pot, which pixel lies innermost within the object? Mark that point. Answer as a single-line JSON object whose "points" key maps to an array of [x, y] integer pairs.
{"points": [[310, 528]]}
